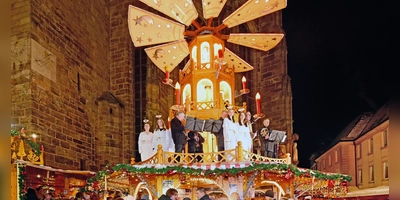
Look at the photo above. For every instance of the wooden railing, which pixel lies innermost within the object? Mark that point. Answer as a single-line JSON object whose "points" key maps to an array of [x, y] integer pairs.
{"points": [[231, 155]]}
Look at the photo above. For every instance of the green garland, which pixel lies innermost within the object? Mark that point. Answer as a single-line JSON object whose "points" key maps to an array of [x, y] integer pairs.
{"points": [[35, 146], [21, 182], [169, 170]]}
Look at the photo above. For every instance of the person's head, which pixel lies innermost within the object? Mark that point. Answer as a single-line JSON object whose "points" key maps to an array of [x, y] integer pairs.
{"points": [[172, 193], [39, 190], [161, 123], [266, 122], [248, 115], [147, 127], [186, 198], [144, 197], [180, 115], [224, 113], [242, 116], [231, 112], [47, 196], [200, 192], [269, 194]]}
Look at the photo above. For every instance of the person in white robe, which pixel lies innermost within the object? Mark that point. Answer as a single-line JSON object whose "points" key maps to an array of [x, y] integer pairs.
{"points": [[230, 129], [244, 134], [145, 143], [162, 136]]}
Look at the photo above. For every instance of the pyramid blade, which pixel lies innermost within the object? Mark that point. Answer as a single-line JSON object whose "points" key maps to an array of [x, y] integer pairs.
{"points": [[182, 11], [235, 61], [260, 41], [212, 8], [147, 28], [170, 54], [253, 9]]}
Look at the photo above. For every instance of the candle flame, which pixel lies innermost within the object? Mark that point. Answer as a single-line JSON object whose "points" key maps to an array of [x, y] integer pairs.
{"points": [[166, 68], [244, 79], [177, 86], [258, 96], [34, 136]]}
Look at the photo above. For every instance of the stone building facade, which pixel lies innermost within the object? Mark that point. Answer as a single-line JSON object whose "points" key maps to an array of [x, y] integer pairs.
{"points": [[78, 82]]}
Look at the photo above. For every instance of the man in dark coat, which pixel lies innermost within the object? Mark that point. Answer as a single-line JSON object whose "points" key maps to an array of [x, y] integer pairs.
{"points": [[201, 194], [195, 144], [220, 135], [171, 194], [178, 132]]}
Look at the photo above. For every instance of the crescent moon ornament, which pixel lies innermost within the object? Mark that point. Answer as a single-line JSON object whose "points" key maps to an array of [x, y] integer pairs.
{"points": [[146, 18], [157, 53]]}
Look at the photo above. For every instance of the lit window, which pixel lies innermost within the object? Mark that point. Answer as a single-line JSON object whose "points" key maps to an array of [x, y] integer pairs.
{"points": [[358, 150], [384, 138], [385, 168], [371, 174], [371, 145], [330, 160], [336, 157]]}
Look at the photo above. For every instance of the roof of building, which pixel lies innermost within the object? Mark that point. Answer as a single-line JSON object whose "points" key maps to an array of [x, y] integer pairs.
{"points": [[361, 125]]}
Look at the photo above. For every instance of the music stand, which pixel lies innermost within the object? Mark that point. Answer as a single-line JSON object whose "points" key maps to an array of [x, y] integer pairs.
{"points": [[194, 124], [277, 136], [212, 125]]}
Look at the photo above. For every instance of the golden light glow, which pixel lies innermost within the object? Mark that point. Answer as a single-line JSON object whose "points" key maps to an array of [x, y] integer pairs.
{"points": [[147, 28], [263, 42], [243, 79], [182, 11], [170, 54], [212, 8], [34, 136], [258, 96], [235, 61], [252, 10]]}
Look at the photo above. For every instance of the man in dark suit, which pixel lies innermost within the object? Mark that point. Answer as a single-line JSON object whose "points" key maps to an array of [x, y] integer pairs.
{"points": [[178, 132], [220, 135]]}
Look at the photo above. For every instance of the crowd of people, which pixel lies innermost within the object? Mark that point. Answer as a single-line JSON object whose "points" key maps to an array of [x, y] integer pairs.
{"points": [[175, 137]]}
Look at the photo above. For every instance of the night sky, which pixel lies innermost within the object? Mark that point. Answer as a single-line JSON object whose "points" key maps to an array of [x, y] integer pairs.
{"points": [[336, 61]]}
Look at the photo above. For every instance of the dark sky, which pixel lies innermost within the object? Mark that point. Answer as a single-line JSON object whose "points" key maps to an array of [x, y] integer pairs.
{"points": [[336, 61]]}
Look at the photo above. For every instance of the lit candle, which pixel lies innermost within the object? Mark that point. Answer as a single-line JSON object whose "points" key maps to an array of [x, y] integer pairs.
{"points": [[169, 123], [258, 103], [166, 72], [178, 93], [220, 53], [34, 137], [244, 82]]}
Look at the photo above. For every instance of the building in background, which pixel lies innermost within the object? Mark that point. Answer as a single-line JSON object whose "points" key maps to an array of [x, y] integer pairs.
{"points": [[362, 151]]}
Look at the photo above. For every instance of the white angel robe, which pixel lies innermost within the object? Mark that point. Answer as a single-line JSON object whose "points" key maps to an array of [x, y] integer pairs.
{"points": [[230, 130], [145, 145], [164, 138], [244, 135]]}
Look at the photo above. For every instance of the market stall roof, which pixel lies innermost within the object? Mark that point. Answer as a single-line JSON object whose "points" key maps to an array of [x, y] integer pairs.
{"points": [[54, 169], [380, 190]]}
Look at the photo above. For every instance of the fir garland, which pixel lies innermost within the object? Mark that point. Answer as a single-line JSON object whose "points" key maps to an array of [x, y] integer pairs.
{"points": [[21, 182], [170, 170], [35, 146]]}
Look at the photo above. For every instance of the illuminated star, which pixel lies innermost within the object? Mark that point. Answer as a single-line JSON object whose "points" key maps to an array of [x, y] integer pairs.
{"points": [[150, 40], [274, 38], [139, 39], [275, 4], [158, 35]]}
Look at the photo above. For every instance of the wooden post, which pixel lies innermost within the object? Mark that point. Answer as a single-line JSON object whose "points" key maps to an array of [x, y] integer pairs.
{"points": [[239, 155]]}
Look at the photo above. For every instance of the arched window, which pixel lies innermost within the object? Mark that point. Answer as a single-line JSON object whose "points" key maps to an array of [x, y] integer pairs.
{"points": [[226, 91], [205, 54], [187, 93], [205, 95]]}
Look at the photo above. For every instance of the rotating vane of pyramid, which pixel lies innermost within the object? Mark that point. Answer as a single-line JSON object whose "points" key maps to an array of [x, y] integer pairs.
{"points": [[167, 37]]}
